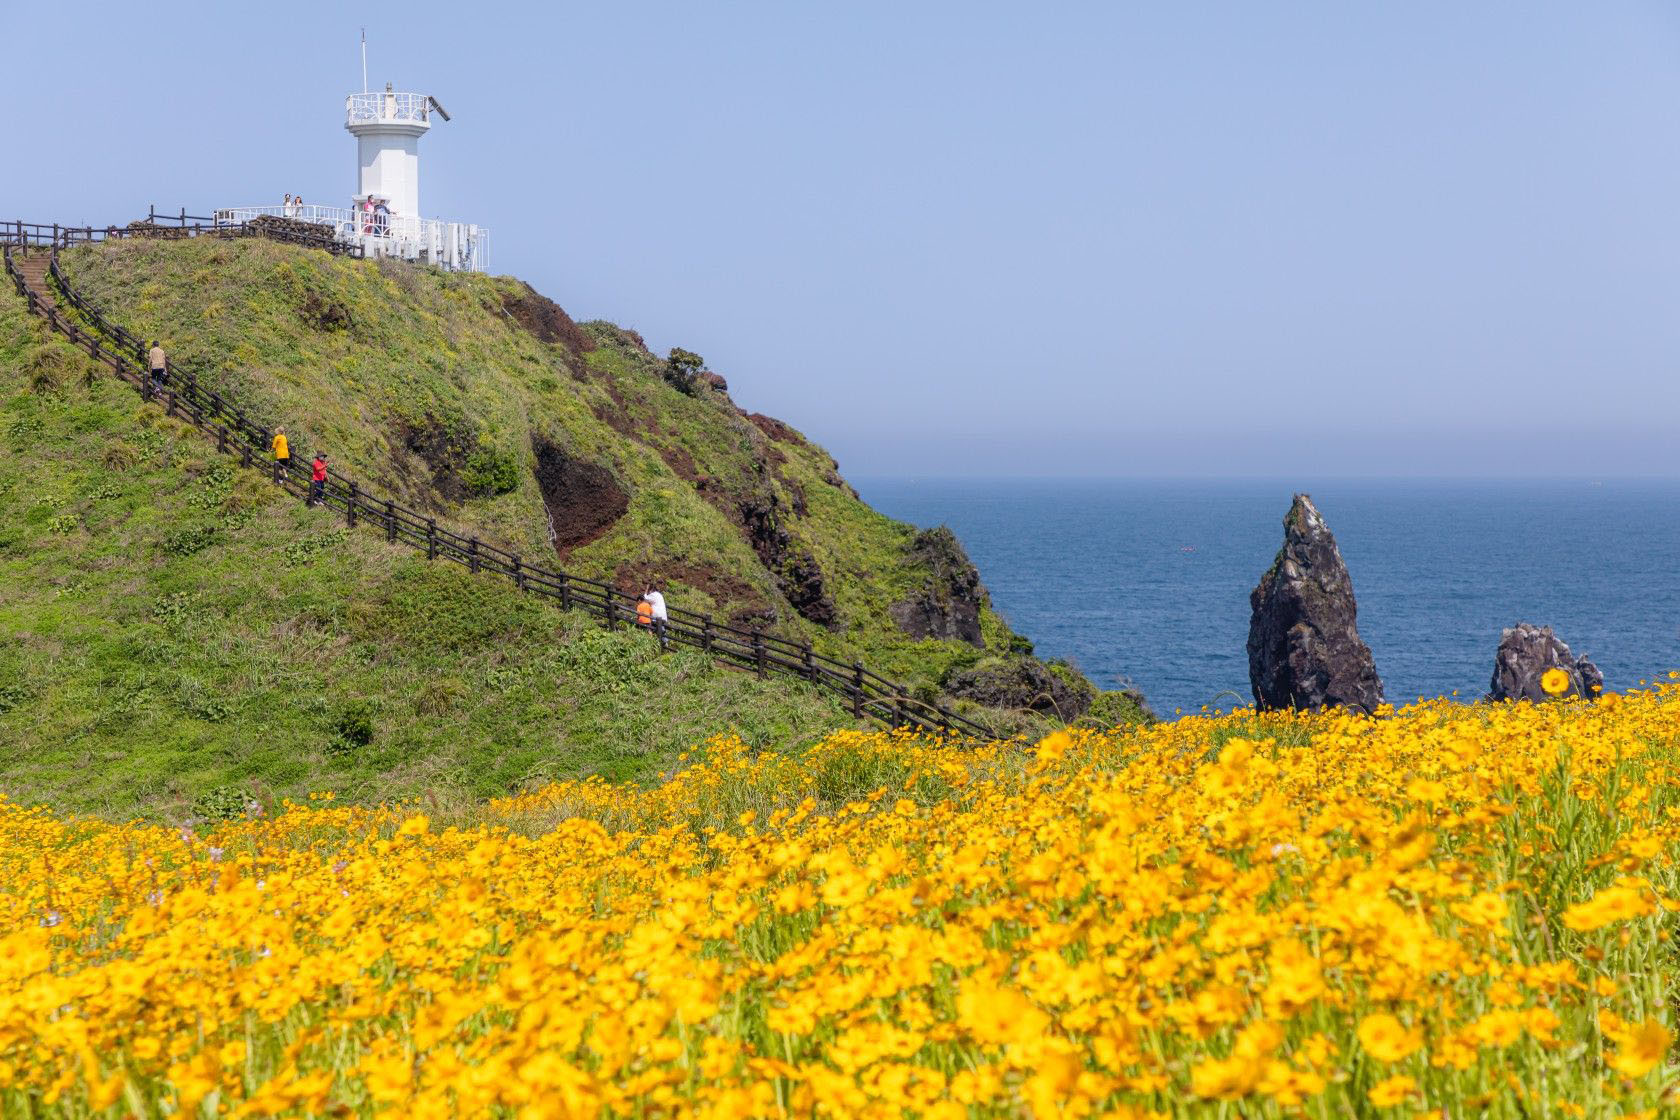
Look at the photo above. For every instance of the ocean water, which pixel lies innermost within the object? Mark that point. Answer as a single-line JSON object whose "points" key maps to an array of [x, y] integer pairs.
{"points": [[1147, 581]]}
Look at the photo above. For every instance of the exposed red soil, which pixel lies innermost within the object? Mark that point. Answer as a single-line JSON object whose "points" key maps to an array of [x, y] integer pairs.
{"points": [[583, 499]]}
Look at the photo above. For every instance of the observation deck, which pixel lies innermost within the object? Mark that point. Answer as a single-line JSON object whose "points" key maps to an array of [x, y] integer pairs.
{"points": [[388, 108]]}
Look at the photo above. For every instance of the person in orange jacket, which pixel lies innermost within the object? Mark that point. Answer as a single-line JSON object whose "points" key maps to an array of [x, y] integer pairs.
{"points": [[651, 612]]}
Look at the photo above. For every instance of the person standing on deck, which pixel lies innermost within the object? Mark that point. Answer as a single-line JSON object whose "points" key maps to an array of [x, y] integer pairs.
{"points": [[660, 617], [318, 481], [282, 455], [159, 365]]}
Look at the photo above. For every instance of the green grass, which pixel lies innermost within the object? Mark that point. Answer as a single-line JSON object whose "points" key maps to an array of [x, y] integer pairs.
{"points": [[180, 633], [437, 352]]}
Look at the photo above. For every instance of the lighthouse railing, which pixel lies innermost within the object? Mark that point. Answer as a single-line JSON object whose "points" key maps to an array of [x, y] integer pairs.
{"points": [[457, 246], [371, 108]]}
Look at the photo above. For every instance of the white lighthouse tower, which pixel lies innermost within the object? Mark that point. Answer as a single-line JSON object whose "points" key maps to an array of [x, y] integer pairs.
{"points": [[387, 127], [384, 219]]}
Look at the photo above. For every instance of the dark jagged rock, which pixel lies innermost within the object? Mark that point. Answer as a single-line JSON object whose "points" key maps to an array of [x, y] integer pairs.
{"points": [[948, 605], [801, 580], [1304, 649], [796, 571], [1526, 652], [1024, 683]]}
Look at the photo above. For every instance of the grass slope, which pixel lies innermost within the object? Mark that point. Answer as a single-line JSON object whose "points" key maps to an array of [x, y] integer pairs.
{"points": [[179, 633], [435, 387]]}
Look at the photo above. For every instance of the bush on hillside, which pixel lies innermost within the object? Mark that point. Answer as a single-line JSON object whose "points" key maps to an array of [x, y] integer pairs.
{"points": [[489, 472], [682, 369], [352, 728]]}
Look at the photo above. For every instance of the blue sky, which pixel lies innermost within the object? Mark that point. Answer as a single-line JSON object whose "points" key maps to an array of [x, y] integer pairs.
{"points": [[1053, 239]]}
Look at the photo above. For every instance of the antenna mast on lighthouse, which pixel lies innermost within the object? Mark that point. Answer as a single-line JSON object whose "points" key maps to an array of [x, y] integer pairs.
{"points": [[364, 60]]}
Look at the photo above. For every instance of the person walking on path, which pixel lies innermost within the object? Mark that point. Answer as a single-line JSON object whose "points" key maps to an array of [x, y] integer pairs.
{"points": [[282, 455], [287, 208], [318, 481], [158, 362], [657, 615]]}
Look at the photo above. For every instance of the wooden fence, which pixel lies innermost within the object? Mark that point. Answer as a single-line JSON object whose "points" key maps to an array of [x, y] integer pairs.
{"points": [[183, 396]]}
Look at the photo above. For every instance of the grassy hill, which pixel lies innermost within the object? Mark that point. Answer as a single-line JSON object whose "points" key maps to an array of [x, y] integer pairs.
{"points": [[179, 634], [476, 398]]}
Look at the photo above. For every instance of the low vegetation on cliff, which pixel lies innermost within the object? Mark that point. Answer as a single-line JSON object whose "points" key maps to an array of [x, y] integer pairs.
{"points": [[181, 637], [1454, 911], [478, 399]]}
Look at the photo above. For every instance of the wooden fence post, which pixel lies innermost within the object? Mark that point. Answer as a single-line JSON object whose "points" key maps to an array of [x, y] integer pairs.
{"points": [[472, 556], [565, 593], [707, 635], [221, 444], [810, 665], [431, 539], [857, 689], [245, 453], [607, 610], [758, 656], [350, 507], [390, 520], [518, 572]]}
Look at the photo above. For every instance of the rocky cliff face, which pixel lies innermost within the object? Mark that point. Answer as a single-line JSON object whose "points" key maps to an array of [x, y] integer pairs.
{"points": [[948, 604], [1025, 684], [1525, 653], [1304, 649]]}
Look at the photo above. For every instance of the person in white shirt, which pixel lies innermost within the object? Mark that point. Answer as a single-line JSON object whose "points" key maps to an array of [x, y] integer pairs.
{"points": [[660, 617]]}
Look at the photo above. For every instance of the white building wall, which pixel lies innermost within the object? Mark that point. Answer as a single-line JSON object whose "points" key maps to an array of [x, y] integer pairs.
{"points": [[390, 168]]}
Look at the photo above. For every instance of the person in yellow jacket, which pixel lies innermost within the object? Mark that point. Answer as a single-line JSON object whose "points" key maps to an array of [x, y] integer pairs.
{"points": [[282, 455]]}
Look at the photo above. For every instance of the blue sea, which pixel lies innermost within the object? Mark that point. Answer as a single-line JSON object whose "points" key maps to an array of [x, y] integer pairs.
{"points": [[1147, 581]]}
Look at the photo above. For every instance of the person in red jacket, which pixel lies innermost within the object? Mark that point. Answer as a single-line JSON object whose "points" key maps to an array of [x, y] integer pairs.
{"points": [[318, 481]]}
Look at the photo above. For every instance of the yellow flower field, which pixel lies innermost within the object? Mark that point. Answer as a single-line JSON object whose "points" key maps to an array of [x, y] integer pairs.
{"points": [[1459, 909]]}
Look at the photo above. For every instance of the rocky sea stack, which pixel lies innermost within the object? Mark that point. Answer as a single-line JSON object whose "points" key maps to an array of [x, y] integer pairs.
{"points": [[1304, 650], [1525, 653]]}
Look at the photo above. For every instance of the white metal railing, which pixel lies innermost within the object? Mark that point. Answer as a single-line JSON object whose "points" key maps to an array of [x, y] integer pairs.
{"points": [[370, 108], [457, 246]]}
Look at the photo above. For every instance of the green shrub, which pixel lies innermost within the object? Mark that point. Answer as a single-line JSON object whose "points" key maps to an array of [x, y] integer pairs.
{"points": [[304, 549], [200, 701], [185, 542], [439, 696], [1117, 709], [352, 728], [682, 369], [176, 606], [489, 472], [223, 803], [120, 456], [12, 695]]}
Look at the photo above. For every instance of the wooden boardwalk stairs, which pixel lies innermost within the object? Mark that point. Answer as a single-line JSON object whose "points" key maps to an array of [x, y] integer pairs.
{"points": [[32, 265]]}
